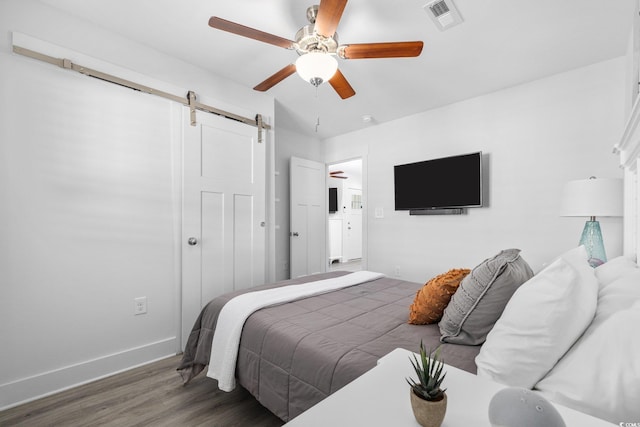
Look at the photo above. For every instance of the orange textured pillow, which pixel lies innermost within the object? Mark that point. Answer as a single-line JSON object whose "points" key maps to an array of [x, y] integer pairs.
{"points": [[433, 297]]}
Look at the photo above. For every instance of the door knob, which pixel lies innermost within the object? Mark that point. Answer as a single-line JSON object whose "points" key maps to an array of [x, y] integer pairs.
{"points": [[192, 241], [295, 234]]}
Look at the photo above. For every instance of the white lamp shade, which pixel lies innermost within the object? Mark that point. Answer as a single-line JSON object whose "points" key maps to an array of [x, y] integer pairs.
{"points": [[316, 65], [593, 197]]}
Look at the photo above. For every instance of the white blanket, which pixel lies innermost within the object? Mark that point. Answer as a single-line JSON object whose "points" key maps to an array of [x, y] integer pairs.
{"points": [[226, 338]]}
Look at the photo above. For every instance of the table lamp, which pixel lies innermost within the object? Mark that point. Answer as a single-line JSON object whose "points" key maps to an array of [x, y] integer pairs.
{"points": [[591, 198]]}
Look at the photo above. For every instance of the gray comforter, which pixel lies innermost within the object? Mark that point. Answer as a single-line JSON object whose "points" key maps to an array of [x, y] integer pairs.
{"points": [[293, 355]]}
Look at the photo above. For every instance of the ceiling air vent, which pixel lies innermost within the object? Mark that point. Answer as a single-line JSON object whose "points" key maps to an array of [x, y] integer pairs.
{"points": [[443, 13]]}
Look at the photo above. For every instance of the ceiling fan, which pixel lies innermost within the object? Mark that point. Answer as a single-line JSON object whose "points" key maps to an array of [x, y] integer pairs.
{"points": [[337, 174], [317, 44]]}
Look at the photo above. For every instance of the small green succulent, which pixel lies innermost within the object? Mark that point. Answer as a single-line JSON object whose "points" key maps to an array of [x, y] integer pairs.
{"points": [[430, 376]]}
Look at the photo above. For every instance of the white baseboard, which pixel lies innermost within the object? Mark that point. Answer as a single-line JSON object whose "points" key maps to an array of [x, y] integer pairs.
{"points": [[47, 383]]}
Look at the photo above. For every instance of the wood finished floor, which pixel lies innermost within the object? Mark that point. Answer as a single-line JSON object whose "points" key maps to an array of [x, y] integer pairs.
{"points": [[152, 395]]}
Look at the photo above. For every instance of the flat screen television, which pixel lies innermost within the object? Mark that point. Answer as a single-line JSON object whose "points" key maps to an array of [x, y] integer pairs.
{"points": [[333, 199], [448, 182]]}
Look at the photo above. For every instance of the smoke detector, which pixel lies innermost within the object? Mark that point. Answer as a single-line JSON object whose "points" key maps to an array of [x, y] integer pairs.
{"points": [[367, 118], [443, 13]]}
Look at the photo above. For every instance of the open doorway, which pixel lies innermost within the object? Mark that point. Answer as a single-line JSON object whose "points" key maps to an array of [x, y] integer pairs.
{"points": [[344, 230]]}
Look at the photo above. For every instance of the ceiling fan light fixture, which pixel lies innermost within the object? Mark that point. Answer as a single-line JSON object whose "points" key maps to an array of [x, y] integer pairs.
{"points": [[316, 67]]}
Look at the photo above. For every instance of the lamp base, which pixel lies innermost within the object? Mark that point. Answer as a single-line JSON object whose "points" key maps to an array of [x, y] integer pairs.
{"points": [[592, 241]]}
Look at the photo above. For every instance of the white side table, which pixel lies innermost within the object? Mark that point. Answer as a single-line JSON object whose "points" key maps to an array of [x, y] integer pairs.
{"points": [[380, 397]]}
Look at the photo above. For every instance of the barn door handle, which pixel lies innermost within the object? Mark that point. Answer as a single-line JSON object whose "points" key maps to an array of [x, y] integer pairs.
{"points": [[192, 241]]}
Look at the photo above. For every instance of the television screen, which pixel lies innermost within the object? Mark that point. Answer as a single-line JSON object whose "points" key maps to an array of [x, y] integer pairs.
{"points": [[333, 199], [449, 182]]}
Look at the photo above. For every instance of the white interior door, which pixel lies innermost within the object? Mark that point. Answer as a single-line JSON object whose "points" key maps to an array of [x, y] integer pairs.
{"points": [[352, 224], [308, 217], [223, 240]]}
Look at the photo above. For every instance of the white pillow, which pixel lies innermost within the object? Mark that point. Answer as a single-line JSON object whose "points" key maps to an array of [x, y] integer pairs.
{"points": [[618, 295], [545, 316], [614, 269], [600, 375]]}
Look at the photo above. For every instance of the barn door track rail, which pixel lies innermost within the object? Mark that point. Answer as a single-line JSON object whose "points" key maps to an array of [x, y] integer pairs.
{"points": [[188, 101]]}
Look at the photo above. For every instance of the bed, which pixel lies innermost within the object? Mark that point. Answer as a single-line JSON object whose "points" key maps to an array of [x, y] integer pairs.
{"points": [[294, 354], [569, 332]]}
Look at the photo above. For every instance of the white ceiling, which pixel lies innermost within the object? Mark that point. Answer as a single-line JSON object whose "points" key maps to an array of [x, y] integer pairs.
{"points": [[501, 43]]}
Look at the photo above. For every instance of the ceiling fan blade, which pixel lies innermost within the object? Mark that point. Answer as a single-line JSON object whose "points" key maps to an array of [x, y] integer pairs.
{"points": [[381, 50], [341, 85], [252, 33], [339, 177], [329, 14], [276, 78], [335, 172]]}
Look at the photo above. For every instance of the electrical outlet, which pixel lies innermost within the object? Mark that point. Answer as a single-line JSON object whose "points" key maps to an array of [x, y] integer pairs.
{"points": [[140, 305], [396, 271]]}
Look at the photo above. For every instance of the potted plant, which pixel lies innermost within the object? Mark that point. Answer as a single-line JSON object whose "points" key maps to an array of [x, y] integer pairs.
{"points": [[428, 399]]}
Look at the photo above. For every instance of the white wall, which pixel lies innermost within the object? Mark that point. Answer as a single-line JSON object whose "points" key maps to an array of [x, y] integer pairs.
{"points": [[288, 144], [537, 136], [90, 204]]}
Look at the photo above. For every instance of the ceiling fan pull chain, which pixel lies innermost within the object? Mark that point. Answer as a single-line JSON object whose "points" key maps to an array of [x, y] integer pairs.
{"points": [[317, 110]]}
